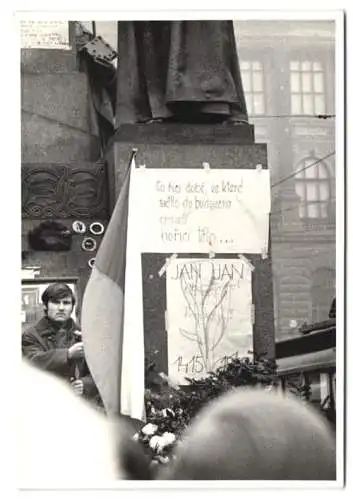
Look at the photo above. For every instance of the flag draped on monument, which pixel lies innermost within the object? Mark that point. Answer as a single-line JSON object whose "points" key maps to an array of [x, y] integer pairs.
{"points": [[103, 317]]}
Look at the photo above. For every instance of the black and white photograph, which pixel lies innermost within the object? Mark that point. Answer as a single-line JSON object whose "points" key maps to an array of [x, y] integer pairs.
{"points": [[182, 261]]}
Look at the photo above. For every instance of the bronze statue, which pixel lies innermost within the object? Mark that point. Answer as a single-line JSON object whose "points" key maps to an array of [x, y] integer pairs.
{"points": [[184, 71]]}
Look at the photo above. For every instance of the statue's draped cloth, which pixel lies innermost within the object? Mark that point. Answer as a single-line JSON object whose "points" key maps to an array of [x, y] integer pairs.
{"points": [[182, 70]]}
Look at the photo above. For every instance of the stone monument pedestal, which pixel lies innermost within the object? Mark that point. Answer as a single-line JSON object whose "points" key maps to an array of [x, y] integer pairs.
{"points": [[62, 178], [175, 145]]}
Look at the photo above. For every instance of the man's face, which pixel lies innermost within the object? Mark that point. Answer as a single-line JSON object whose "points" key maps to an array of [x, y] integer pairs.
{"points": [[60, 310]]}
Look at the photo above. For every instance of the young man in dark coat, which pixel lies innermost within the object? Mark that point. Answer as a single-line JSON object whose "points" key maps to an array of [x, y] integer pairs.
{"points": [[54, 343]]}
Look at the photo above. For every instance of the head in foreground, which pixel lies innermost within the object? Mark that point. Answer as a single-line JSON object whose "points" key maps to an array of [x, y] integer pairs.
{"points": [[252, 434], [63, 442]]}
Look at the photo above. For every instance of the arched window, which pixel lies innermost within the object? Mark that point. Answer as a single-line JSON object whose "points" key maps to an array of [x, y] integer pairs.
{"points": [[323, 291], [313, 186]]}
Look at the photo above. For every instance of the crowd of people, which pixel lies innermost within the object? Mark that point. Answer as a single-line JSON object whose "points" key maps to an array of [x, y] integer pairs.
{"points": [[248, 434]]}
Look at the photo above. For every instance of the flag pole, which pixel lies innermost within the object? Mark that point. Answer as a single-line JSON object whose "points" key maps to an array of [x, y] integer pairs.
{"points": [[132, 156]]}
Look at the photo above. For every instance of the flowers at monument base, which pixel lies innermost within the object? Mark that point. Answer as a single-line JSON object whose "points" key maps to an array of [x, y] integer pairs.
{"points": [[159, 443], [156, 443], [168, 438], [149, 429], [170, 408]]}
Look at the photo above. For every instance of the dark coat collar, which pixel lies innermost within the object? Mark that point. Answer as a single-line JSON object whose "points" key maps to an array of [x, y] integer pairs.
{"points": [[47, 327]]}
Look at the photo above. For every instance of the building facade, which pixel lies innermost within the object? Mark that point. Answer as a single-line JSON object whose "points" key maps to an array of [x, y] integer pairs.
{"points": [[288, 72]]}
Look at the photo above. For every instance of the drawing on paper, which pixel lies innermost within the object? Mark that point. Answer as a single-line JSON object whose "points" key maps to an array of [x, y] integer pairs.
{"points": [[209, 313]]}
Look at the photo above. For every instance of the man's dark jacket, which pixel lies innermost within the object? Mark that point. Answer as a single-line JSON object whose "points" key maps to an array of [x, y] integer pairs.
{"points": [[46, 345]]}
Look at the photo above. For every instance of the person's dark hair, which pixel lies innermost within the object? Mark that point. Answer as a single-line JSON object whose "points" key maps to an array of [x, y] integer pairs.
{"points": [[57, 291]]}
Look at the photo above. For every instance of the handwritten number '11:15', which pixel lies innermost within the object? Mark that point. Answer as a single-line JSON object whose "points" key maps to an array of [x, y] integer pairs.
{"points": [[194, 365]]}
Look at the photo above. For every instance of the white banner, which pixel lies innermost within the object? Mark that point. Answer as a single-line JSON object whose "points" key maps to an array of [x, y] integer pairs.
{"points": [[209, 314], [44, 34], [198, 210]]}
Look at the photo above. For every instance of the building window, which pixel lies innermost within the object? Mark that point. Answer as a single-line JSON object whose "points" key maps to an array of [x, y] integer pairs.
{"points": [[312, 185], [307, 88], [323, 291], [252, 74]]}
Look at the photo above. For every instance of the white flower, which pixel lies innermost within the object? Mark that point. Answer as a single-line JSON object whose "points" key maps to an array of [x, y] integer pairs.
{"points": [[149, 429], [156, 443], [135, 437], [168, 438]]}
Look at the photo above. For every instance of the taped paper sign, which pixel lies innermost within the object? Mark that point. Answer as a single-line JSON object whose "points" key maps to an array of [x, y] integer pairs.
{"points": [[195, 211], [209, 303], [44, 34]]}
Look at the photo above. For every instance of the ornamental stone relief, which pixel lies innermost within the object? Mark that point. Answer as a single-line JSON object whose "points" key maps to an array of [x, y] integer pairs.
{"points": [[62, 191]]}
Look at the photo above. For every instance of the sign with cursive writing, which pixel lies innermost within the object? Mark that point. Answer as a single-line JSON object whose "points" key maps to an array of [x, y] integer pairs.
{"points": [[209, 314], [203, 210]]}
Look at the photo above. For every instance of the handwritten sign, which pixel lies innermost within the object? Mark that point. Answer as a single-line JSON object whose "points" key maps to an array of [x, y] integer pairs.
{"points": [[44, 34], [199, 210], [209, 304]]}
